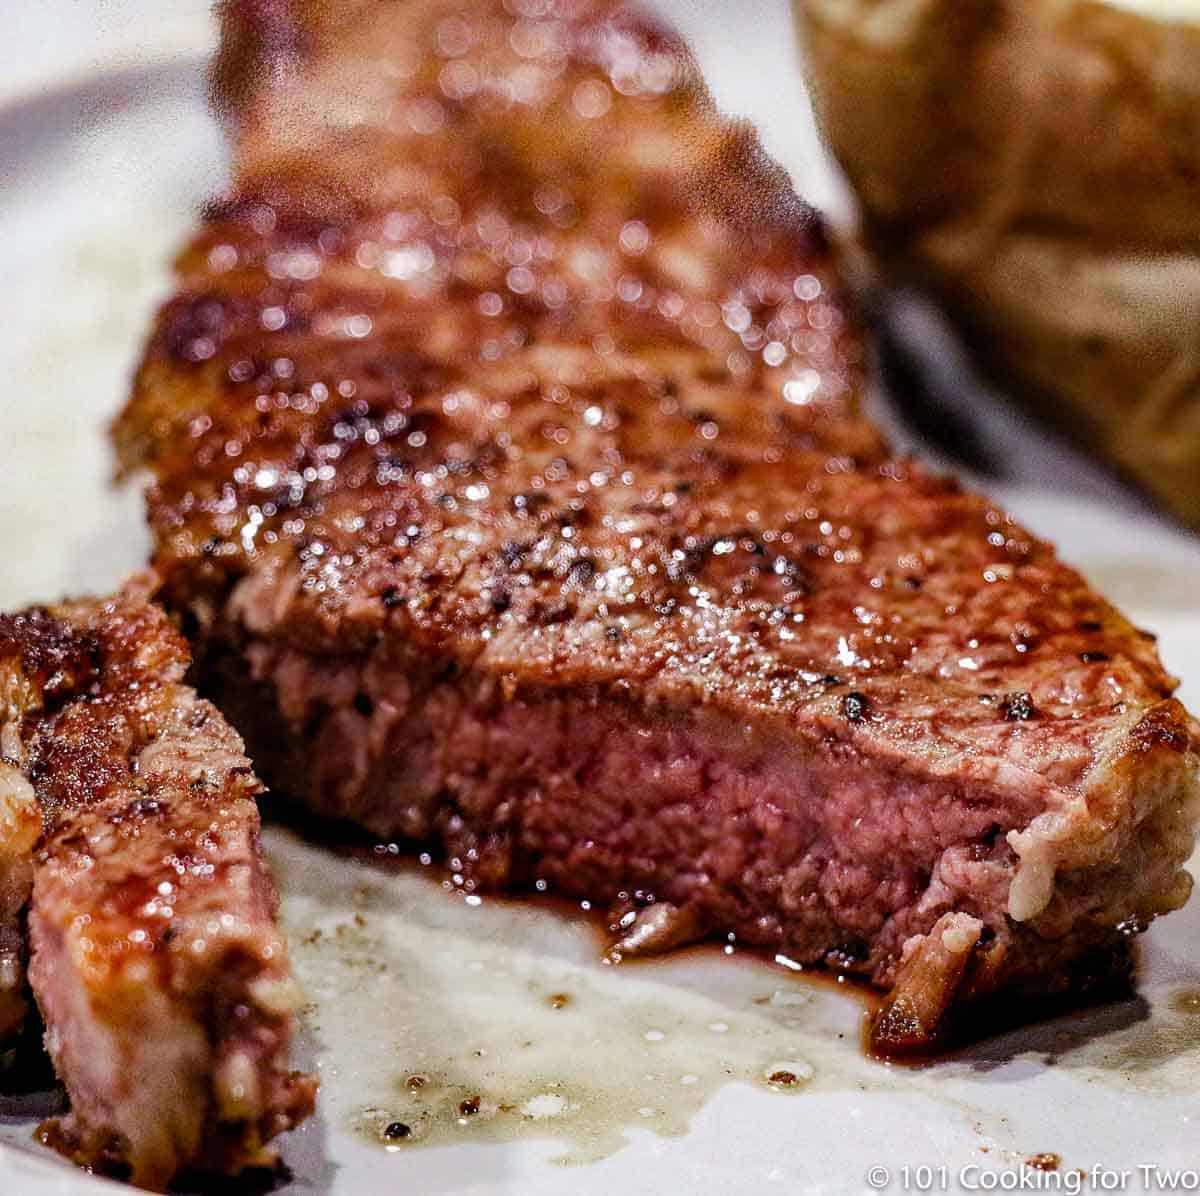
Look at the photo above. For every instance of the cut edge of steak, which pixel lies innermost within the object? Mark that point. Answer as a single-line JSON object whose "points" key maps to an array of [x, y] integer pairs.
{"points": [[155, 957], [938, 886]]}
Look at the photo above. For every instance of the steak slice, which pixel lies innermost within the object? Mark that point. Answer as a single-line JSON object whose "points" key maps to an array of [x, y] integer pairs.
{"points": [[39, 663], [156, 960], [510, 474]]}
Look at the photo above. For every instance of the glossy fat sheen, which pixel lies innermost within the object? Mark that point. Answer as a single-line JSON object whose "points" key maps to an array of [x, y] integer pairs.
{"points": [[155, 958], [1038, 165], [506, 425]]}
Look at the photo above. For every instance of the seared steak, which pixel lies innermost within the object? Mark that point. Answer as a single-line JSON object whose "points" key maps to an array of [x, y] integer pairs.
{"points": [[155, 957], [510, 473]]}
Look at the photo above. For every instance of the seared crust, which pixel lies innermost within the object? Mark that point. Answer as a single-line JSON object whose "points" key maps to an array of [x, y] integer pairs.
{"points": [[156, 962], [514, 364]]}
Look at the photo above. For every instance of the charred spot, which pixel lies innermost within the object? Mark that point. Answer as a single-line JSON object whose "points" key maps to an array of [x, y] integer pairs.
{"points": [[210, 547], [614, 635], [581, 572], [1091, 625], [501, 601], [831, 680], [469, 1106], [1094, 657], [61, 660], [856, 707], [390, 597], [1018, 707], [913, 582], [364, 705]]}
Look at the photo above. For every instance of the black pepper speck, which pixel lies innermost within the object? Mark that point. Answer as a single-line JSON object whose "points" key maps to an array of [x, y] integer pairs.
{"points": [[1018, 707], [856, 707]]}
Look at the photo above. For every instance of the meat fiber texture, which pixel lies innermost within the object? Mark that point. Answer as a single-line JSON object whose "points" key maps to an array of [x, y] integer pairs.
{"points": [[130, 833], [510, 473]]}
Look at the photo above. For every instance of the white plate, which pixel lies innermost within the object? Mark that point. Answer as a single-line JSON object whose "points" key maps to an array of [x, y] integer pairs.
{"points": [[105, 151]]}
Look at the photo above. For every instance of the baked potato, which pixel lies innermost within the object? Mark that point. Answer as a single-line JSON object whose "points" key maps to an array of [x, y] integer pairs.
{"points": [[1036, 163]]}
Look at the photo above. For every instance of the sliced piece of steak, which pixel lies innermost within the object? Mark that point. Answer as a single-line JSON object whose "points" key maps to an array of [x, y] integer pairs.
{"points": [[156, 960], [40, 664], [510, 474]]}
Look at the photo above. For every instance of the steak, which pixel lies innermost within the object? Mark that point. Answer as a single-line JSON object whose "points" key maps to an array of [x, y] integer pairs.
{"points": [[156, 960], [509, 471]]}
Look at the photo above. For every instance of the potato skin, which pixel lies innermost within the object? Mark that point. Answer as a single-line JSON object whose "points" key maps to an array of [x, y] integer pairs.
{"points": [[1036, 163]]}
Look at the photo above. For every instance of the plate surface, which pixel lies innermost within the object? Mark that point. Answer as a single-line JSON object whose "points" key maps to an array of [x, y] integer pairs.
{"points": [[653, 1079]]}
